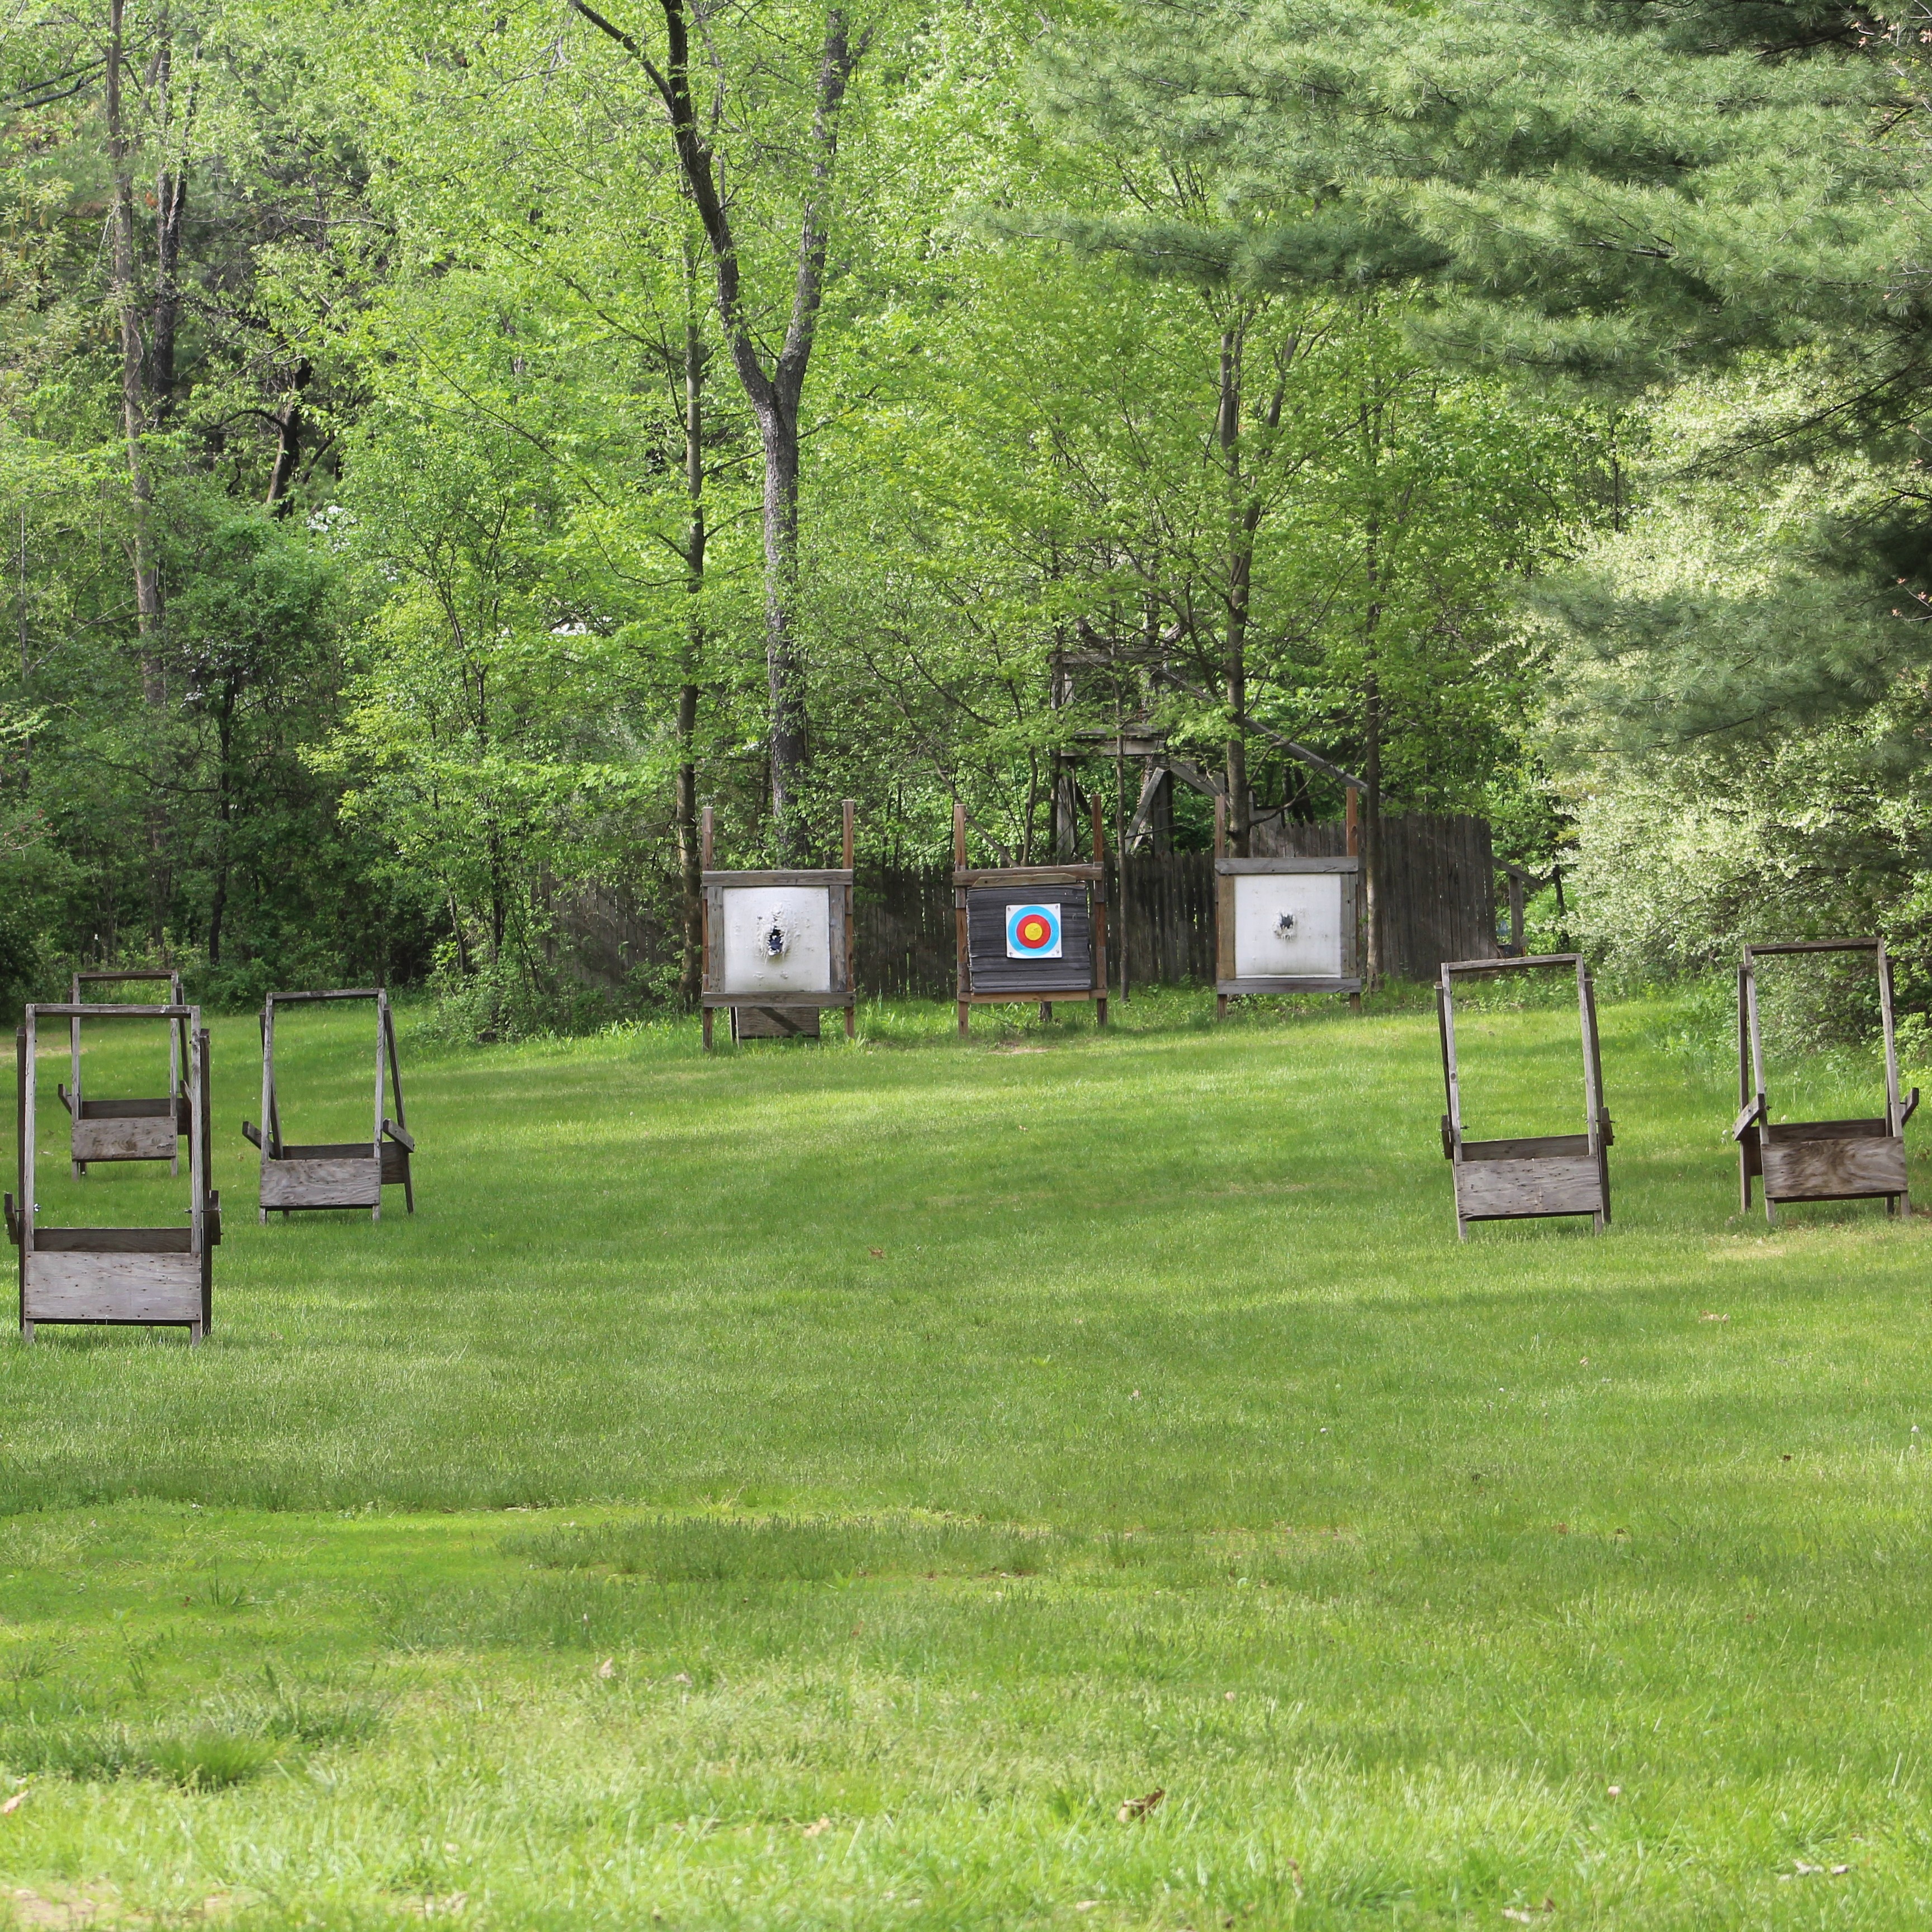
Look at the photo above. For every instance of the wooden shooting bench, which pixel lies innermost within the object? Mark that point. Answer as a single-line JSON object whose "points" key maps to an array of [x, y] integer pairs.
{"points": [[128, 1129], [1545, 1174], [778, 945], [1818, 1160], [348, 1173], [982, 898], [146, 1277], [1286, 925]]}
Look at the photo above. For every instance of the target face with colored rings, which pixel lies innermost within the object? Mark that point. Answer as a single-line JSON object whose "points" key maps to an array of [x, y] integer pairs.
{"points": [[1033, 932]]}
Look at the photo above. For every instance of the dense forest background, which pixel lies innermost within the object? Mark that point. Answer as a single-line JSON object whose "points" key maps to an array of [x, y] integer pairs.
{"points": [[443, 448]]}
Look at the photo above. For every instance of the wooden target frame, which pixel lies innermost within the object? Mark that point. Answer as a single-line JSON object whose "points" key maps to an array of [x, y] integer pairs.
{"points": [[142, 1277], [346, 1173], [126, 1130], [986, 977], [1229, 981], [790, 1014], [1818, 1160], [1539, 1175]]}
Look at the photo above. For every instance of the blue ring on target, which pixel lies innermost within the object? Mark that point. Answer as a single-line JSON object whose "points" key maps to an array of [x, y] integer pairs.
{"points": [[1033, 932]]}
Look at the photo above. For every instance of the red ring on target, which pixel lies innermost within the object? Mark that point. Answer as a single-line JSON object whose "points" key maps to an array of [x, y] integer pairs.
{"points": [[1033, 931]]}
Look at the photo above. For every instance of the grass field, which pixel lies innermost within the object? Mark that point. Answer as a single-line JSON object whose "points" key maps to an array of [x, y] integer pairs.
{"points": [[828, 1487]]}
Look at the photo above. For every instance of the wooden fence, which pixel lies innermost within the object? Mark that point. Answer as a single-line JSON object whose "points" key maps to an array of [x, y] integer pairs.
{"points": [[1437, 877]]}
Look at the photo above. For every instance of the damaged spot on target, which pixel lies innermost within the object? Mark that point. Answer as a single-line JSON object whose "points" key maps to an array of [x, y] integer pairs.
{"points": [[1033, 932]]}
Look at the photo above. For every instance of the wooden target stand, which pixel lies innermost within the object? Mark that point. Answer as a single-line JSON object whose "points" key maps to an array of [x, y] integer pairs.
{"points": [[149, 1129], [1545, 1174], [1287, 924], [982, 896], [347, 1174], [1818, 1160], [141, 1277], [778, 945]]}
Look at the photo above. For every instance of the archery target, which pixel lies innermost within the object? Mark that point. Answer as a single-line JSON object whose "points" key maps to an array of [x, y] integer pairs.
{"points": [[1289, 925], [1033, 932], [777, 939]]}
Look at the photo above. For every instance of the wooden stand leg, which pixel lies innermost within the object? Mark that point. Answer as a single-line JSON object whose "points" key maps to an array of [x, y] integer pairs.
{"points": [[965, 1014], [263, 1215], [1045, 1011], [851, 1023], [1220, 1005], [707, 1029], [26, 1331], [1355, 1004], [194, 1334], [376, 1212], [1100, 1007]]}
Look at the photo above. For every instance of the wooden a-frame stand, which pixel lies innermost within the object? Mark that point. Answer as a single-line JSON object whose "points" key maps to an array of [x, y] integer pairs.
{"points": [[985, 976], [148, 1129], [788, 1015], [143, 1277], [1545, 1174], [348, 1173], [1818, 1160]]}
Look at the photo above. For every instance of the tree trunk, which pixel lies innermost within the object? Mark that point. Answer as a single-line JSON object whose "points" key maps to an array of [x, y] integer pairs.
{"points": [[288, 442], [690, 862], [775, 393], [224, 807], [134, 422], [1240, 564]]}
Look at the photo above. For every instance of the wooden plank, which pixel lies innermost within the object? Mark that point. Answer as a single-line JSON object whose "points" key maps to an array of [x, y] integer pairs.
{"points": [[103, 976], [1234, 868], [136, 1288], [67, 1010], [1828, 1130], [1233, 987], [128, 1110], [1571, 959], [114, 1241], [322, 1184], [1512, 1190], [1834, 1170], [327, 1150], [773, 1022], [1533, 1148], [823, 876], [713, 981], [839, 943], [829, 997], [125, 1140], [395, 1165], [1028, 875], [333, 993], [1763, 951]]}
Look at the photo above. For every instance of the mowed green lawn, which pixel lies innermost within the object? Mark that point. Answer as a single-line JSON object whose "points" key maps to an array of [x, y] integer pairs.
{"points": [[828, 1487]]}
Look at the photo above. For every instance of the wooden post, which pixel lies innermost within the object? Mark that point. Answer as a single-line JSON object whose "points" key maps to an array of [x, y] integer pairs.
{"points": [[197, 1173], [396, 1088], [28, 1133], [1744, 1098], [175, 1075], [964, 989], [73, 1073], [1353, 848], [1221, 852], [22, 1179], [1100, 912], [1515, 909], [1593, 1088], [1900, 1203], [381, 1081], [270, 1140], [850, 848], [704, 848], [1445, 1007], [1757, 1076]]}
